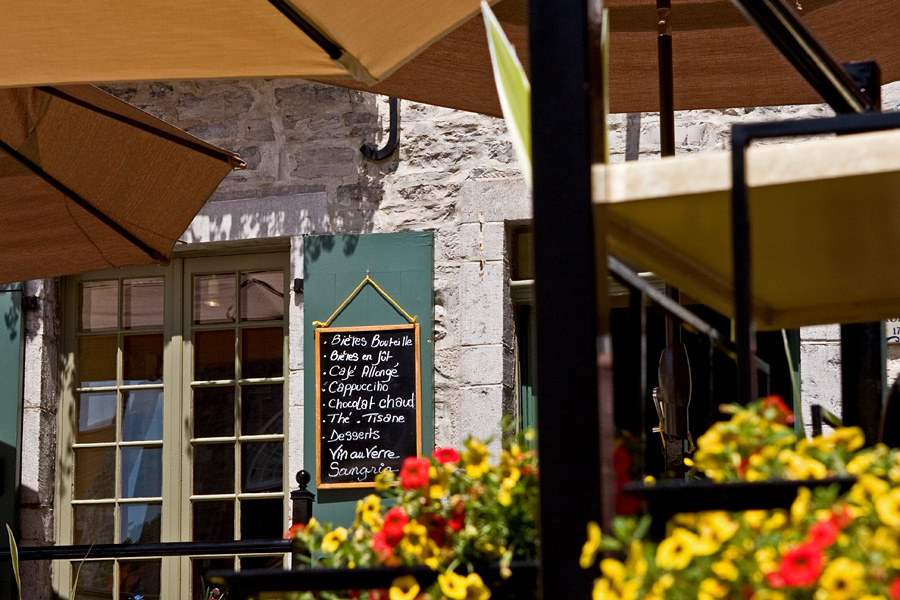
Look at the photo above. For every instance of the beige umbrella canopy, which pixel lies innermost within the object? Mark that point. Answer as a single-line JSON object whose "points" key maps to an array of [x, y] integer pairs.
{"points": [[720, 59], [89, 182], [433, 52], [92, 41]]}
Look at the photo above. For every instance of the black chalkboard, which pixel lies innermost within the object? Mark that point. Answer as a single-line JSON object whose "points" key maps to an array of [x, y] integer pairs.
{"points": [[368, 402]]}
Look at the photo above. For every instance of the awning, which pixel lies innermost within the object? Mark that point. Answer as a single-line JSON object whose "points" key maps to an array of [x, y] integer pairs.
{"points": [[90, 182], [824, 218]]}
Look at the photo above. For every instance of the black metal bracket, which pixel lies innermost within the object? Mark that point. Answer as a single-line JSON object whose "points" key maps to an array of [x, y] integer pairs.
{"points": [[780, 23], [621, 272], [741, 136], [374, 153]]}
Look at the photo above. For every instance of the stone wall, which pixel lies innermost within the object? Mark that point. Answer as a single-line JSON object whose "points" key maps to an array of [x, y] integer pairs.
{"points": [[454, 173]]}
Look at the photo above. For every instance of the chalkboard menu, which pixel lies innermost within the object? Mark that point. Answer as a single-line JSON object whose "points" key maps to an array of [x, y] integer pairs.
{"points": [[368, 402]]}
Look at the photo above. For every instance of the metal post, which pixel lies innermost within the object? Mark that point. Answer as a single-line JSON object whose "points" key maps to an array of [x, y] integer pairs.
{"points": [[302, 499], [566, 287], [863, 345]]}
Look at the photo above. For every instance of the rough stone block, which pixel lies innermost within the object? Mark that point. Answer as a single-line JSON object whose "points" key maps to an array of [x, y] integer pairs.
{"points": [[821, 333], [218, 105], [37, 480], [260, 130], [494, 200], [482, 241], [482, 365], [480, 411], [820, 377], [481, 304], [215, 131], [325, 162], [251, 219], [252, 156]]}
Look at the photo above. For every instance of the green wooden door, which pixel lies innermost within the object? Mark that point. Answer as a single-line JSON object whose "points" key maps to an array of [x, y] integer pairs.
{"points": [[402, 264], [11, 348]]}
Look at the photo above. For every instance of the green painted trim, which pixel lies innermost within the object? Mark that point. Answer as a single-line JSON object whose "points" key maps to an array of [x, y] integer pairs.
{"points": [[12, 350], [403, 266]]}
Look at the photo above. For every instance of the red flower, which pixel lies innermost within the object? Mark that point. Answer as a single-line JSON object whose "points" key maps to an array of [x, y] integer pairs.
{"points": [[894, 590], [446, 455], [414, 473], [801, 566], [784, 414], [626, 504], [383, 550], [823, 533], [294, 529], [842, 518], [776, 579], [437, 527], [459, 518], [394, 521], [622, 462]]}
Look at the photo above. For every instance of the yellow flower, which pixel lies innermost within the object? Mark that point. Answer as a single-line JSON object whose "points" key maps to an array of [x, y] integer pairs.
{"points": [[852, 438], [475, 588], [776, 521], [415, 538], [603, 590], [591, 546], [888, 508], [867, 488], [404, 588], [475, 458], [766, 558], [662, 584], [385, 480], [800, 506], [369, 509], [755, 518], [675, 552], [860, 463], [725, 569], [715, 528], [438, 480], [885, 540], [503, 494], [766, 594], [842, 579], [613, 570], [801, 467], [333, 539], [636, 563], [712, 589], [453, 586]]}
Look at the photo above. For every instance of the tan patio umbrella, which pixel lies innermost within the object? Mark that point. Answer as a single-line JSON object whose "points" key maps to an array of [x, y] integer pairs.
{"points": [[89, 182], [91, 41], [720, 59]]}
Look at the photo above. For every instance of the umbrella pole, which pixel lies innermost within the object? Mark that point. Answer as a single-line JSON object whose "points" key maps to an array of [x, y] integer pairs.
{"points": [[674, 454]]}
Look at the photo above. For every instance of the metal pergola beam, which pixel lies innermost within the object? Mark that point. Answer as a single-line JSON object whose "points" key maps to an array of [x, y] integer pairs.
{"points": [[566, 292], [780, 24]]}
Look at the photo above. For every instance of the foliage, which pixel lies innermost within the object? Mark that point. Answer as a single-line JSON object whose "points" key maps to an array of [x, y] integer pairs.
{"points": [[827, 546], [14, 556], [452, 512], [513, 90]]}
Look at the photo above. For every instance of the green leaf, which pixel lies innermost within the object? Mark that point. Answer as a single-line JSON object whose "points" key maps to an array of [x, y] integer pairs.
{"points": [[512, 88], [643, 526], [14, 556]]}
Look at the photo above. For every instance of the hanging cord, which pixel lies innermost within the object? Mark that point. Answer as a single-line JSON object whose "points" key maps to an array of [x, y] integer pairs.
{"points": [[353, 294]]}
